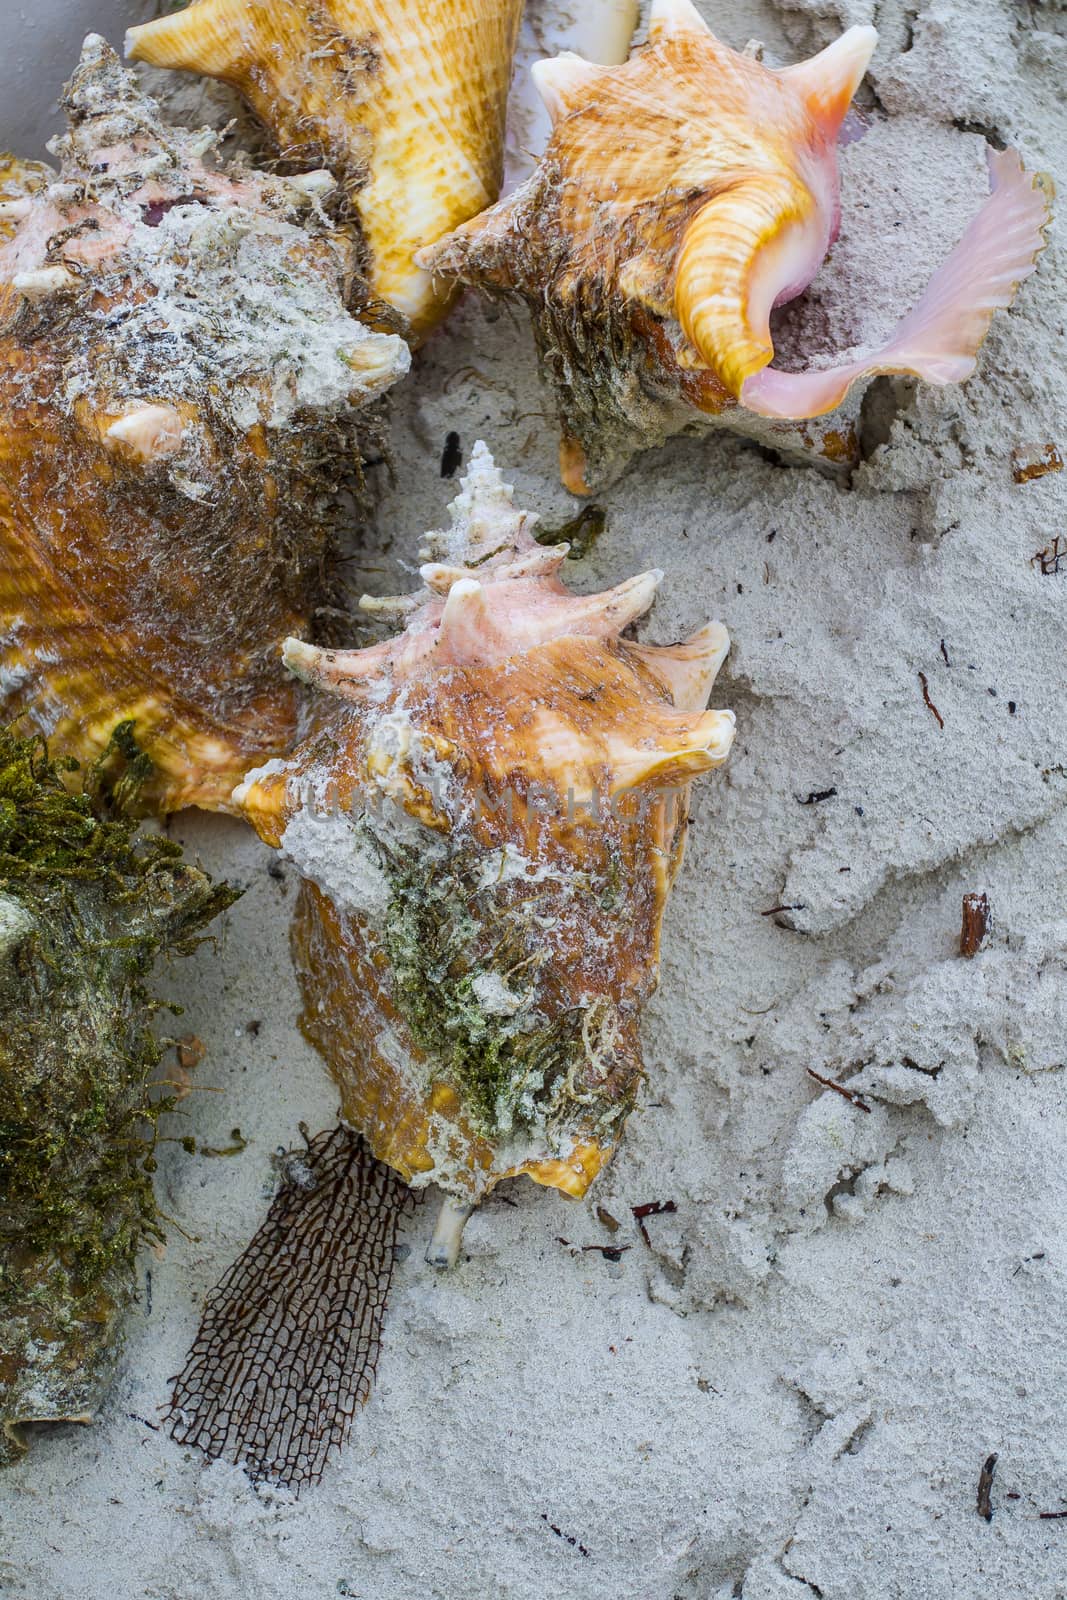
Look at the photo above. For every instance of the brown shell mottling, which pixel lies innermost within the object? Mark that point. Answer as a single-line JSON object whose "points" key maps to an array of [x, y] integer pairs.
{"points": [[166, 466]]}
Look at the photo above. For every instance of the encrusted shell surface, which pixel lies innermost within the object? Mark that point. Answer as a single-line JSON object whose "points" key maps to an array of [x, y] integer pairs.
{"points": [[86, 907], [405, 102], [181, 392], [682, 196], [489, 816]]}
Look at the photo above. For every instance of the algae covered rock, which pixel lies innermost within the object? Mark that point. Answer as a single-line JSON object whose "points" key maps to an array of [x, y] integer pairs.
{"points": [[87, 904]]}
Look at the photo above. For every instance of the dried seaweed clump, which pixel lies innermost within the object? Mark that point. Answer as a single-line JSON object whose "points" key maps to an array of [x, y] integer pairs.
{"points": [[289, 1343], [86, 907]]}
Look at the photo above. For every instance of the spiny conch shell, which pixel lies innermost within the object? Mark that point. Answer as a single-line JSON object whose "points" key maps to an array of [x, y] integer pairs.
{"points": [[681, 197], [86, 908], [404, 101], [489, 818], [178, 380]]}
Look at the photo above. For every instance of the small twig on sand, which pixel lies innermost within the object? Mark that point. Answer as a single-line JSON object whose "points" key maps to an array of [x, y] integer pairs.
{"points": [[839, 1088], [929, 703], [654, 1208], [985, 1487]]}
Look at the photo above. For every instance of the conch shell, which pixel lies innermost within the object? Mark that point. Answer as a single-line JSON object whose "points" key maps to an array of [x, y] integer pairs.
{"points": [[178, 379], [682, 196], [490, 815], [86, 908], [404, 100]]}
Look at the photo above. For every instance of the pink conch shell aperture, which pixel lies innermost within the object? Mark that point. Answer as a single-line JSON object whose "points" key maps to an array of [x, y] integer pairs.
{"points": [[182, 391], [489, 815], [682, 196], [403, 100]]}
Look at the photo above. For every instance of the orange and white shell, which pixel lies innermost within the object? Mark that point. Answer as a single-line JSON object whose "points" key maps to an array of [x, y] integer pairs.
{"points": [[488, 816], [682, 196], [403, 99], [176, 367]]}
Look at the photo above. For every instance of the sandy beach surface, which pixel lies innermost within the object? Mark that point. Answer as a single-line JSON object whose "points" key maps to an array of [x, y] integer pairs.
{"points": [[790, 1389]]}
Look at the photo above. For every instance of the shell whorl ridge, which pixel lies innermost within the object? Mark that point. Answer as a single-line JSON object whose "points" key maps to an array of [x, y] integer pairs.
{"points": [[489, 812], [682, 196], [405, 101], [181, 392]]}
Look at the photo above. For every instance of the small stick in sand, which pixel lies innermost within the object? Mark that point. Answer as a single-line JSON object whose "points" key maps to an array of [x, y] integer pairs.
{"points": [[839, 1088], [929, 703], [443, 1248], [652, 1208], [985, 1487]]}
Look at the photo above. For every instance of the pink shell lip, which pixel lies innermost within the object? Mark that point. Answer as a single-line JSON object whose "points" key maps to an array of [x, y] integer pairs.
{"points": [[940, 337]]}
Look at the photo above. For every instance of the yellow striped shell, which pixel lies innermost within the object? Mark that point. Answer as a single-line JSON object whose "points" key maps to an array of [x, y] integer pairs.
{"points": [[403, 99]]}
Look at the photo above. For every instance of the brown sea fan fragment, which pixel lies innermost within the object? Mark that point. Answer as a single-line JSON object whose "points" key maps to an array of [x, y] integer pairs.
{"points": [[405, 101], [684, 195], [489, 816], [181, 394], [289, 1342]]}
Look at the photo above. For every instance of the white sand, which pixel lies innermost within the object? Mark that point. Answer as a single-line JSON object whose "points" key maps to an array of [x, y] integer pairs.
{"points": [[792, 1392]]}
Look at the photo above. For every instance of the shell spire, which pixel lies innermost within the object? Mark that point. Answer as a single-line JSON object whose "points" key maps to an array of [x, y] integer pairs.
{"points": [[669, 18], [828, 81], [489, 814], [179, 381], [685, 194], [406, 103]]}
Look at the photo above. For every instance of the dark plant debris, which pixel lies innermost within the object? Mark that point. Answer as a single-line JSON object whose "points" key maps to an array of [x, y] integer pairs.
{"points": [[985, 1487], [238, 1142], [974, 928], [1049, 560], [568, 1538], [929, 703], [581, 532], [842, 1089], [652, 1208], [610, 1252]]}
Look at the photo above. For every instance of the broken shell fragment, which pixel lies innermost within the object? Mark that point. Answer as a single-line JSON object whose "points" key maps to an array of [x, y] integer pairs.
{"points": [[489, 814], [181, 393], [404, 103], [684, 195], [151, 433]]}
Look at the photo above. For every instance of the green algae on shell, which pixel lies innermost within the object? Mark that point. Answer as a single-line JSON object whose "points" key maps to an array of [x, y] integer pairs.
{"points": [[86, 906]]}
